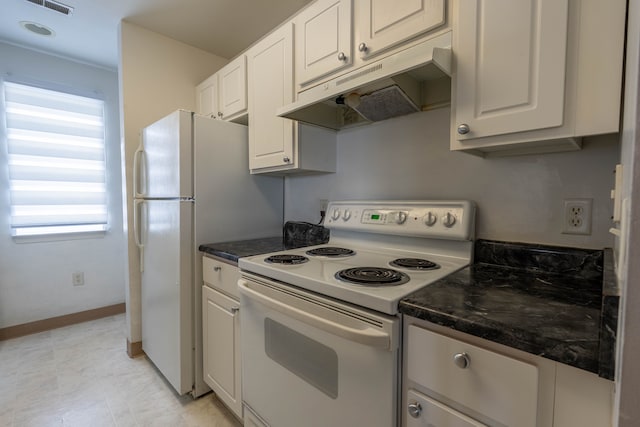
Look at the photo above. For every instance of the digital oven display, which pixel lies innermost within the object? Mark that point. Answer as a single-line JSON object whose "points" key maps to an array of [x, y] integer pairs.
{"points": [[374, 217]]}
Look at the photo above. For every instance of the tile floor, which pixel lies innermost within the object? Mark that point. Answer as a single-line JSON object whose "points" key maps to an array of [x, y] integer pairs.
{"points": [[80, 375]]}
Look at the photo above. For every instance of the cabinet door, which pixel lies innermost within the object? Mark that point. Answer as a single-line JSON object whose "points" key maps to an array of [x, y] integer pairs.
{"points": [[221, 347], [383, 24], [270, 67], [207, 97], [323, 39], [510, 66], [233, 87]]}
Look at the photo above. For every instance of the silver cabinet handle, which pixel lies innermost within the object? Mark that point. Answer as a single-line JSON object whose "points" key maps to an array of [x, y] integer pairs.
{"points": [[415, 409], [362, 47], [342, 56], [286, 160], [217, 268], [461, 360], [234, 310], [463, 129], [220, 114]]}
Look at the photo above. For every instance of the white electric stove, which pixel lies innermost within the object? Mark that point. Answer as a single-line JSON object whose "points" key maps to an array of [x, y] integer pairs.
{"points": [[320, 325], [390, 249]]}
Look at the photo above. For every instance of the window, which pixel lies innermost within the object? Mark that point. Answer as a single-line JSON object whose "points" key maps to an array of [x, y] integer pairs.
{"points": [[56, 155]]}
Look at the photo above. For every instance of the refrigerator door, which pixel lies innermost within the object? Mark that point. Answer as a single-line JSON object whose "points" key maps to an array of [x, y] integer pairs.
{"points": [[165, 163], [167, 289]]}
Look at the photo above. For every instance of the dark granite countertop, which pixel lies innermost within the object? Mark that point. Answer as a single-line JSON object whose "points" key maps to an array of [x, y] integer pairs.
{"points": [[558, 303], [294, 235], [233, 250]]}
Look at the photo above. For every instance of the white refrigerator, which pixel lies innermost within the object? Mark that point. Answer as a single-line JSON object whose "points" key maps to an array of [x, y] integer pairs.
{"points": [[191, 186]]}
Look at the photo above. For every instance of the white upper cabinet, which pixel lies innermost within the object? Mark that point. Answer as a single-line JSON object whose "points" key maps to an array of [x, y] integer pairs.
{"points": [[335, 36], [277, 145], [232, 79], [323, 39], [270, 87], [224, 94], [511, 60], [207, 97], [383, 24], [534, 76]]}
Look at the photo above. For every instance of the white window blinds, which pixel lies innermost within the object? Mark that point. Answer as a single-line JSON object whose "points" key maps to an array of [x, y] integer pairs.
{"points": [[56, 158]]}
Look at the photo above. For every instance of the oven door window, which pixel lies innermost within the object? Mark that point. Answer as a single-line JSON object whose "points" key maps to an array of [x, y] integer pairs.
{"points": [[310, 360]]}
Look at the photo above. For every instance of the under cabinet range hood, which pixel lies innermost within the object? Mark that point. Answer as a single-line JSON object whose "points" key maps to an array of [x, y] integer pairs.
{"points": [[411, 80]]}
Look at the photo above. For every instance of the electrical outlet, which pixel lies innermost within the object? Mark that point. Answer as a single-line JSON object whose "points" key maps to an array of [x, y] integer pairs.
{"points": [[577, 216], [77, 278]]}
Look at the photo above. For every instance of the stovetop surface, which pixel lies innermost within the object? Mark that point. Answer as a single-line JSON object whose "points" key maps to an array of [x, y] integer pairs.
{"points": [[318, 274]]}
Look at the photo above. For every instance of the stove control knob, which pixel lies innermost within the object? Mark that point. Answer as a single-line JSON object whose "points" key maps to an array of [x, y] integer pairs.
{"points": [[449, 220], [399, 217], [335, 214], [430, 219], [346, 215]]}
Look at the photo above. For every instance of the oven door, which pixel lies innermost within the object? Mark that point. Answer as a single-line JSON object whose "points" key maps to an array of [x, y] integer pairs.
{"points": [[311, 361]]}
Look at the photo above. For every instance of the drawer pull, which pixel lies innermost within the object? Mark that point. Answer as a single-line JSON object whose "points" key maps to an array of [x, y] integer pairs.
{"points": [[461, 360], [217, 268], [415, 409]]}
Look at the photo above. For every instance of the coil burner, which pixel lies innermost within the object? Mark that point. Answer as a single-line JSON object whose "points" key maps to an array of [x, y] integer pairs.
{"points": [[372, 276], [287, 259], [331, 252], [414, 264]]}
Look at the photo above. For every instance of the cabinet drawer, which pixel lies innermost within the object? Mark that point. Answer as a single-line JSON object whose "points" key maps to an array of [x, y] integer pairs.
{"points": [[221, 276], [430, 413], [495, 386]]}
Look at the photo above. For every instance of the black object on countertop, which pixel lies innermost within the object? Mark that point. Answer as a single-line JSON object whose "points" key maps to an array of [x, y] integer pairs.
{"points": [[558, 303], [294, 235]]}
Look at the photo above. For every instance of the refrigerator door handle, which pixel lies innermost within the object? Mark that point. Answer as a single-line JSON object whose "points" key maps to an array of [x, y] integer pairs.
{"points": [[138, 157], [137, 231]]}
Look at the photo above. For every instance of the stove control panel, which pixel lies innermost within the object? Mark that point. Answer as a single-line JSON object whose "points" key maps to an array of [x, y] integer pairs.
{"points": [[453, 220], [375, 216]]}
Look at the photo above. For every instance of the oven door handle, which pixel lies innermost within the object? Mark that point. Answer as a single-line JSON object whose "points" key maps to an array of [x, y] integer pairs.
{"points": [[368, 336]]}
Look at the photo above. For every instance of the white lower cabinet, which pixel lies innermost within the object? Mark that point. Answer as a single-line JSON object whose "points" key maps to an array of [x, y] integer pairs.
{"points": [[452, 379], [483, 385], [582, 399], [221, 335]]}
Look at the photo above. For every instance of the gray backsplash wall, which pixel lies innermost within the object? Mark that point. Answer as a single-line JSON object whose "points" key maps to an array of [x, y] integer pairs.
{"points": [[519, 198]]}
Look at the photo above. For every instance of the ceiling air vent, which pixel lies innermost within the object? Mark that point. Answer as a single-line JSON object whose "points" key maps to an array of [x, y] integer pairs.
{"points": [[53, 5]]}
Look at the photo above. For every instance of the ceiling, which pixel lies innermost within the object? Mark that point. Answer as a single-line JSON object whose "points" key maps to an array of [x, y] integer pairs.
{"points": [[90, 32]]}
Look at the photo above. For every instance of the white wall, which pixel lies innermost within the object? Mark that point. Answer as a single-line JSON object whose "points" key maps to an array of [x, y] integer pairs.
{"points": [[157, 75], [519, 198], [35, 278]]}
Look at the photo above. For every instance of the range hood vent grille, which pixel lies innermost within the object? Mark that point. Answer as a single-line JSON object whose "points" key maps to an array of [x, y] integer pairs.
{"points": [[354, 76], [53, 5]]}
